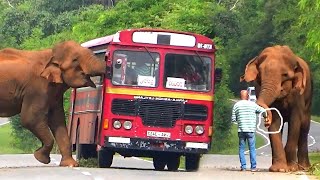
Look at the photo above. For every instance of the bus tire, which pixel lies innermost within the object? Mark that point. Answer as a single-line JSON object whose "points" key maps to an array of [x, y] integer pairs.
{"points": [[89, 151], [192, 162], [173, 162], [105, 158], [159, 163]]}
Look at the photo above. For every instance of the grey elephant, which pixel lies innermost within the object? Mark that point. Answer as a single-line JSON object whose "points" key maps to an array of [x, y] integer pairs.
{"points": [[32, 83]]}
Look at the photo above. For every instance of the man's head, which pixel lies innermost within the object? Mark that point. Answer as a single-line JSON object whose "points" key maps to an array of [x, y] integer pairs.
{"points": [[244, 95]]}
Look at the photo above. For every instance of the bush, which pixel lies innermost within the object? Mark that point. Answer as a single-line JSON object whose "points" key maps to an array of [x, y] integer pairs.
{"points": [[23, 138], [222, 119]]}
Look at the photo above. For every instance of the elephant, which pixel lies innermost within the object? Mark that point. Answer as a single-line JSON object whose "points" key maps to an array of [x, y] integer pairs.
{"points": [[32, 85], [283, 80]]}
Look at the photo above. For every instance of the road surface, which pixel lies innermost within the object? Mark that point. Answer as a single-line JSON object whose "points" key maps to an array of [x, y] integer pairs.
{"points": [[25, 167], [224, 167]]}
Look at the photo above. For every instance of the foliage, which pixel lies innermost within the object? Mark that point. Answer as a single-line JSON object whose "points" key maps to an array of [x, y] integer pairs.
{"points": [[7, 142], [315, 164], [230, 145], [24, 139], [240, 29]]}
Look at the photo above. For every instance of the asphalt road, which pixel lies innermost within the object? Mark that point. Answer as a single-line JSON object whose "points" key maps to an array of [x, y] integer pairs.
{"points": [[224, 167], [25, 167], [313, 139]]}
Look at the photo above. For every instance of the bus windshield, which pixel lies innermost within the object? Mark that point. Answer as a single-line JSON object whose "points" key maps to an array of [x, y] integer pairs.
{"points": [[135, 68], [188, 72]]}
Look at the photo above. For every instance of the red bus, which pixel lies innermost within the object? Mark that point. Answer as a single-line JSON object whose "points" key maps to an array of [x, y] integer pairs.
{"points": [[156, 99]]}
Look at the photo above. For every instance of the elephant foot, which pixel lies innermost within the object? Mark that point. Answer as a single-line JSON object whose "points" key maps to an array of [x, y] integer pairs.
{"points": [[42, 157], [69, 162], [293, 167], [304, 166], [279, 167]]}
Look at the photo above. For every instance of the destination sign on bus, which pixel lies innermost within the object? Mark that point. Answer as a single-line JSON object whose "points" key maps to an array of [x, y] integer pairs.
{"points": [[164, 38]]}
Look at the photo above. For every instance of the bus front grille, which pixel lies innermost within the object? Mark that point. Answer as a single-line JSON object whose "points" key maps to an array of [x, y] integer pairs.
{"points": [[124, 107], [159, 113]]}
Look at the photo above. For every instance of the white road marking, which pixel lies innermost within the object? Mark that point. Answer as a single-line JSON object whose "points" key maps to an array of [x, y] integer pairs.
{"points": [[140, 159], [4, 123], [315, 122], [313, 140], [268, 140], [86, 173]]}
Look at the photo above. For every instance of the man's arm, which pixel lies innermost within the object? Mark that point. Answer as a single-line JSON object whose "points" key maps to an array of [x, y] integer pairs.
{"points": [[260, 109]]}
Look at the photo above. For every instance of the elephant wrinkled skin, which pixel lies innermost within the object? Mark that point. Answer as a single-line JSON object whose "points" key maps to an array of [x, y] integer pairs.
{"points": [[33, 83], [283, 81]]}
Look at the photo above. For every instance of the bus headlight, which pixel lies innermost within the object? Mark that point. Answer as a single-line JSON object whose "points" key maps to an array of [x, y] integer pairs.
{"points": [[117, 124], [127, 125], [199, 130], [188, 129]]}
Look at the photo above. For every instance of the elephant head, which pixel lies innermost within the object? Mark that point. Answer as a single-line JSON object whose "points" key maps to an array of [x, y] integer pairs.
{"points": [[73, 65], [276, 71]]}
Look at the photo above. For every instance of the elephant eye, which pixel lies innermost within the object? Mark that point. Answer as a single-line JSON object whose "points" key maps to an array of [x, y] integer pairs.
{"points": [[285, 74]]}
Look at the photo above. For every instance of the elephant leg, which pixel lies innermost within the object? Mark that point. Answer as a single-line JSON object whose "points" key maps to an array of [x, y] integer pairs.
{"points": [[35, 120], [59, 131], [292, 142], [279, 162], [303, 158]]}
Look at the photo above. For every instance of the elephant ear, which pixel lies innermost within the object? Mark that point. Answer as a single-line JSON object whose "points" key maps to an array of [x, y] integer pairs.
{"points": [[300, 77], [52, 72], [251, 71]]}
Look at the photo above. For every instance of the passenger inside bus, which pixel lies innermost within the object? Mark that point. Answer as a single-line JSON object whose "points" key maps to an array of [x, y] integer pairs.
{"points": [[142, 69]]}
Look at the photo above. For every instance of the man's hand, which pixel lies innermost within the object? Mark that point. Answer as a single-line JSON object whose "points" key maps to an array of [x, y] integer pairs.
{"points": [[267, 122]]}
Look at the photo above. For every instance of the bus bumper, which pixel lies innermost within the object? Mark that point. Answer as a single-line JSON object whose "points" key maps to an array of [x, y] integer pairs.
{"points": [[156, 145]]}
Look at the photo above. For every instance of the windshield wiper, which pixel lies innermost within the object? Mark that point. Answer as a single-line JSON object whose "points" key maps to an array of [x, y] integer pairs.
{"points": [[201, 59], [154, 61], [203, 66]]}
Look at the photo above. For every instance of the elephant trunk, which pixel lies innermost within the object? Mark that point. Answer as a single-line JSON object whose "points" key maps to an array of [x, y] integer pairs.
{"points": [[268, 94], [96, 67]]}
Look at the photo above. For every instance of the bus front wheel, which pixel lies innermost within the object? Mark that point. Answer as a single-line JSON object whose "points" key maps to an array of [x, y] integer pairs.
{"points": [[159, 163], [192, 162], [105, 158], [173, 162]]}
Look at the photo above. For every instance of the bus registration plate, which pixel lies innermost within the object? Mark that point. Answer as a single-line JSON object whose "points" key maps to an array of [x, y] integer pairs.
{"points": [[158, 134]]}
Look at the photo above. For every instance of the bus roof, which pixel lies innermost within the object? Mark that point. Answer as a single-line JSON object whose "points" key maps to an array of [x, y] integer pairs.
{"points": [[98, 41], [155, 37]]}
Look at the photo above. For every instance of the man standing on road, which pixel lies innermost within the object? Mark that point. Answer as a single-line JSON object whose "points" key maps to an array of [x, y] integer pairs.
{"points": [[245, 112]]}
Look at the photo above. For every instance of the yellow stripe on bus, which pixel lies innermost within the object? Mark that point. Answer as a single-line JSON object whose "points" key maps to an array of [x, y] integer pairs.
{"points": [[154, 93]]}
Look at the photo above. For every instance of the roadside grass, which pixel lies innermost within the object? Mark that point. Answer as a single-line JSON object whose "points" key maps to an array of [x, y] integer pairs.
{"points": [[316, 118], [232, 144], [7, 141], [315, 164]]}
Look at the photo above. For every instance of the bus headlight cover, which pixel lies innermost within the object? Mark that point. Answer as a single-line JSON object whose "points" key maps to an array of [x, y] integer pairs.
{"points": [[188, 129], [117, 124], [127, 125], [199, 129]]}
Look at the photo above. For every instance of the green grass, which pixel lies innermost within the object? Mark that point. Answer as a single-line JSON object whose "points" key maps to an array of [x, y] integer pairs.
{"points": [[7, 141], [233, 142], [315, 164], [316, 118]]}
